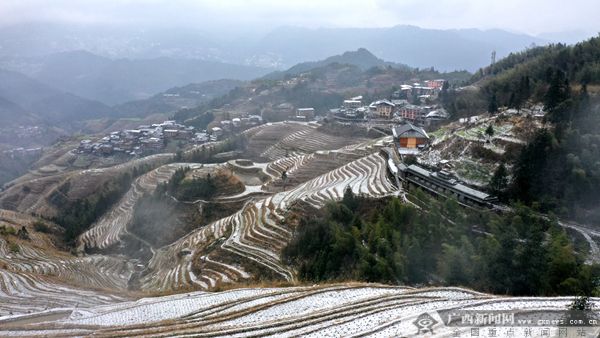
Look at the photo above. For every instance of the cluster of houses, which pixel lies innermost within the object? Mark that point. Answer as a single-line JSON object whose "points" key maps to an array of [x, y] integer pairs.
{"points": [[148, 139], [395, 109], [142, 140], [399, 107], [233, 125], [419, 92]]}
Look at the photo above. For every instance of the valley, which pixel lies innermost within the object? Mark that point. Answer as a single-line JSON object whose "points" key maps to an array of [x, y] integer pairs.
{"points": [[48, 291], [293, 183]]}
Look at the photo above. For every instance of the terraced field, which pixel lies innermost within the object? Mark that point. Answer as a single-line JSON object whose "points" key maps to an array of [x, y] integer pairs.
{"points": [[237, 248], [22, 293], [47, 291], [111, 226], [319, 311], [33, 195], [39, 276], [256, 234], [292, 138]]}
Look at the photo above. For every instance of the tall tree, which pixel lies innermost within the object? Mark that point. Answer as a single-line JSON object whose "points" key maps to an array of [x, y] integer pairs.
{"points": [[557, 96], [489, 131], [493, 104], [499, 181]]}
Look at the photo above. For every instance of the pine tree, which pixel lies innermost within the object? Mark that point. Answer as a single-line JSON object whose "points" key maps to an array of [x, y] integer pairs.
{"points": [[499, 181], [493, 104], [556, 99], [489, 131]]}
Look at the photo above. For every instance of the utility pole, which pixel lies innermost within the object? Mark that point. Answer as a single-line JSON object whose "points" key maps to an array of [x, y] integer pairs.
{"points": [[493, 57]]}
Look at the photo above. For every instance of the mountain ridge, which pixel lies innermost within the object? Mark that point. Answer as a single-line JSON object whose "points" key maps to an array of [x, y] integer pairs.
{"points": [[281, 47], [47, 103], [362, 58], [116, 81]]}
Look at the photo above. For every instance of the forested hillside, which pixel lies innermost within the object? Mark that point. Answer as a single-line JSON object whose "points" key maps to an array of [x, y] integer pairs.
{"points": [[439, 242], [559, 170], [527, 74]]}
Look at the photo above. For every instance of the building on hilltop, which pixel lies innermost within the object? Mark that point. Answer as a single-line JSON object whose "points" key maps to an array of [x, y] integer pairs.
{"points": [[435, 84]]}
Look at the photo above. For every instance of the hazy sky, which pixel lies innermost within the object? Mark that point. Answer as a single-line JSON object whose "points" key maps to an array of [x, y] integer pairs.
{"points": [[529, 16]]}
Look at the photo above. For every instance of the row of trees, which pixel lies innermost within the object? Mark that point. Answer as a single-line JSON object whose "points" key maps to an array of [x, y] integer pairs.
{"points": [[518, 253], [187, 189]]}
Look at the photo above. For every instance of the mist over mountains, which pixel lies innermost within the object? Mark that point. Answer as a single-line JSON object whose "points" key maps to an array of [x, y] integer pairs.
{"points": [[24, 98], [280, 48], [115, 81], [57, 72]]}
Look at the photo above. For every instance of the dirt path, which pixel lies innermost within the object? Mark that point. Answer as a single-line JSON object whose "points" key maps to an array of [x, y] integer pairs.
{"points": [[594, 256]]}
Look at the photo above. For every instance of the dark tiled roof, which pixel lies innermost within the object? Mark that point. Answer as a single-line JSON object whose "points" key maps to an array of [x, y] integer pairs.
{"points": [[409, 130]]}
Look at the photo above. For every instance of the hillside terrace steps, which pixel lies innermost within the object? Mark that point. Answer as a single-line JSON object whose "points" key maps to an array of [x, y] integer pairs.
{"points": [[256, 232], [369, 310], [22, 293], [92, 271], [111, 226]]}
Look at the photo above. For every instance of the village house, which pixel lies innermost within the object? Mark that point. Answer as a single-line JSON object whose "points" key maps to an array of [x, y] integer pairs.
{"points": [[85, 146], [437, 115], [382, 109], [435, 84], [422, 90], [201, 137], [409, 139], [132, 134], [152, 144], [284, 109], [352, 104], [226, 125], [216, 131], [255, 119], [185, 134], [170, 133], [305, 113], [105, 149], [409, 112], [413, 113]]}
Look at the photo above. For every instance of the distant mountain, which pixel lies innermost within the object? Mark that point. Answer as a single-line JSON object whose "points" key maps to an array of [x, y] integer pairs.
{"points": [[11, 112], [443, 49], [176, 98], [121, 80], [361, 58], [21, 94], [113, 41], [282, 48]]}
